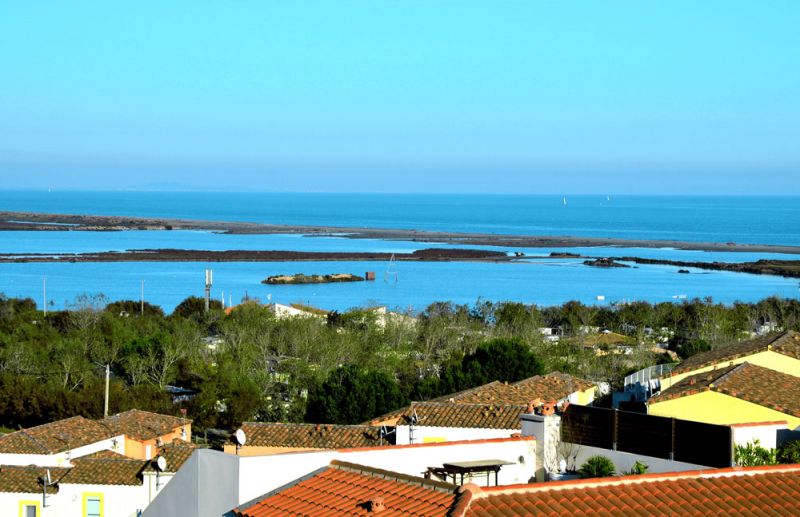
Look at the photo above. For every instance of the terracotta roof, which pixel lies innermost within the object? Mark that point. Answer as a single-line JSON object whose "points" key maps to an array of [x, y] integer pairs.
{"points": [[144, 425], [740, 491], [348, 489], [311, 436], [55, 437], [176, 453], [608, 338], [756, 384], [786, 343], [553, 386], [482, 416], [26, 480], [104, 471]]}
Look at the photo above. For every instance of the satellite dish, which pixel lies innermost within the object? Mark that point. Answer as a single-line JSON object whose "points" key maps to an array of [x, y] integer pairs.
{"points": [[161, 463], [240, 437]]}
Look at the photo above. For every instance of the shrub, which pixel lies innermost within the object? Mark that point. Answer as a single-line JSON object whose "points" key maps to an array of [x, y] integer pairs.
{"points": [[597, 467], [637, 469], [789, 452], [753, 455]]}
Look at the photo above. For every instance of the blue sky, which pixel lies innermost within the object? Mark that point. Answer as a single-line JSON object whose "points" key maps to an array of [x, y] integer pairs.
{"points": [[523, 96]]}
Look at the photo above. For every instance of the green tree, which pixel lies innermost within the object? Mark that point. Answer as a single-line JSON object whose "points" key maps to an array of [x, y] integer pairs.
{"points": [[351, 395]]}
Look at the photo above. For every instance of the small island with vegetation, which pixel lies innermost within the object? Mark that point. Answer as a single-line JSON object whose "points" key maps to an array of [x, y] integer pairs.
{"points": [[300, 278], [604, 262]]}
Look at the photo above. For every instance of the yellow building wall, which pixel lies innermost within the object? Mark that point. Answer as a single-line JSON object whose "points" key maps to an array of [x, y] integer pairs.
{"points": [[138, 448], [716, 408], [586, 397], [767, 359]]}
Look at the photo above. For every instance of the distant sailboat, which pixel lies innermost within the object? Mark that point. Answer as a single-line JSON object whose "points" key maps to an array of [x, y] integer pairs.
{"points": [[564, 201], [608, 198]]}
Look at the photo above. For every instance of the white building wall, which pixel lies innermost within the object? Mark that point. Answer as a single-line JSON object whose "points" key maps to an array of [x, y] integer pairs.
{"points": [[428, 434], [261, 474], [624, 461], [118, 500], [766, 434], [116, 444]]}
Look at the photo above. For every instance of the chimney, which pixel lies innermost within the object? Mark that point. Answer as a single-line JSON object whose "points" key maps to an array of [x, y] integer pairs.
{"points": [[376, 505]]}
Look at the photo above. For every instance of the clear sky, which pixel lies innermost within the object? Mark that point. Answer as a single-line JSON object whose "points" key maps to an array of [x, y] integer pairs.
{"points": [[521, 96]]}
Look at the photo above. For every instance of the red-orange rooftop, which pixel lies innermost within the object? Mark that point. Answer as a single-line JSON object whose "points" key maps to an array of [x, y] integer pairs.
{"points": [[737, 491], [348, 489]]}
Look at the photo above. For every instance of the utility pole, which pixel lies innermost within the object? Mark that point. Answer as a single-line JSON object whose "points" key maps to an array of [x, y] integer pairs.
{"points": [[142, 304], [209, 279], [44, 294], [105, 405]]}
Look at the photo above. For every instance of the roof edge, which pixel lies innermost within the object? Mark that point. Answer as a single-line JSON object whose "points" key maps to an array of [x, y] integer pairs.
{"points": [[439, 486], [637, 479]]}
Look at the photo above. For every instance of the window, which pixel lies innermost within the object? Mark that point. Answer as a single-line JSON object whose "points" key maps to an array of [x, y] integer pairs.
{"points": [[92, 505], [29, 509]]}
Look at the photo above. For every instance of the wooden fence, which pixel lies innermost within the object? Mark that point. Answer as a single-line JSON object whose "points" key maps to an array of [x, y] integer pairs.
{"points": [[648, 435]]}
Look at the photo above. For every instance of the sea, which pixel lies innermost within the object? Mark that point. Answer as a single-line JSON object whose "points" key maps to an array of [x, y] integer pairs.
{"points": [[407, 286]]}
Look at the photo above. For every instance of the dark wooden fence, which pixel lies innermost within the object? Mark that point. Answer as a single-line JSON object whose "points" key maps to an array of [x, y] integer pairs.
{"points": [[648, 435]]}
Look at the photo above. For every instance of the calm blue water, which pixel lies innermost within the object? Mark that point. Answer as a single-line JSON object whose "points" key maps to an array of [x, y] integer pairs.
{"points": [[769, 220], [761, 220]]}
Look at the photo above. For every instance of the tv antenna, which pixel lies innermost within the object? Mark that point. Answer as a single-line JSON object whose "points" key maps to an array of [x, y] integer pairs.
{"points": [[47, 481], [385, 432]]}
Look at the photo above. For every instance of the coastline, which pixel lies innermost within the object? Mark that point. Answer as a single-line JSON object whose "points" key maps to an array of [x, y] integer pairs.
{"points": [[29, 221]]}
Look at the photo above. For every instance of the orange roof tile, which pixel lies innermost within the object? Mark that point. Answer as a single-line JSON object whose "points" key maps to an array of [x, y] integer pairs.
{"points": [[144, 425], [103, 470], [176, 453], [553, 386], [311, 436], [769, 388], [348, 489], [482, 416], [55, 437], [785, 343], [740, 491], [26, 480]]}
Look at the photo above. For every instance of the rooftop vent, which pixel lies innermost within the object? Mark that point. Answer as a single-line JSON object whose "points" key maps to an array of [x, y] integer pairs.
{"points": [[376, 505]]}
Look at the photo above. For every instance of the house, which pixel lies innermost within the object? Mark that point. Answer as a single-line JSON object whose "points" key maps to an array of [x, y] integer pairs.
{"points": [[555, 387], [145, 431], [736, 394], [780, 352], [275, 438], [56, 443], [104, 483], [773, 491], [345, 488], [558, 387], [431, 422], [134, 433], [213, 483], [349, 489], [295, 311]]}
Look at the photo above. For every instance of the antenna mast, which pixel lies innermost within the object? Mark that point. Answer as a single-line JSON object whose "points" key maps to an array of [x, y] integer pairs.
{"points": [[209, 278]]}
